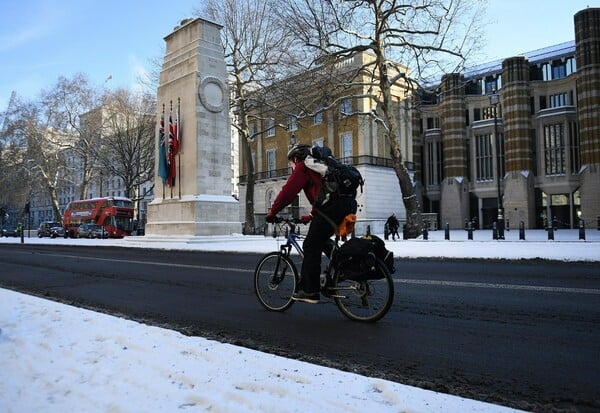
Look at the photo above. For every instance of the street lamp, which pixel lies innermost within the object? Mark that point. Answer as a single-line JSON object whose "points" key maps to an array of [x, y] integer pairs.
{"points": [[101, 179], [494, 101]]}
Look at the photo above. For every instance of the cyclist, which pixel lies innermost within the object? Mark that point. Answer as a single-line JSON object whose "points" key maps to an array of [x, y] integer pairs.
{"points": [[325, 219]]}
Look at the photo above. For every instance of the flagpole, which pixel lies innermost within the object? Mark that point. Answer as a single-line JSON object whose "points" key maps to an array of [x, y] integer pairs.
{"points": [[178, 145], [163, 121], [170, 178]]}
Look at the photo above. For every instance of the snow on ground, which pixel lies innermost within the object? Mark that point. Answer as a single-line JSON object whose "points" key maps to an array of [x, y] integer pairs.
{"points": [[58, 358]]}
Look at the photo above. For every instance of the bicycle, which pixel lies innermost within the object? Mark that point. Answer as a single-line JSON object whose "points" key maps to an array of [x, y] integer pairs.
{"points": [[276, 277]]}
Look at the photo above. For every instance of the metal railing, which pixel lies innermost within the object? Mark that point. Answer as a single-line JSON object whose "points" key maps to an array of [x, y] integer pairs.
{"points": [[350, 160]]}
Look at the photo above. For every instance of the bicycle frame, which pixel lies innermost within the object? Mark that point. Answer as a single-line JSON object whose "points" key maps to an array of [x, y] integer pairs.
{"points": [[292, 241]]}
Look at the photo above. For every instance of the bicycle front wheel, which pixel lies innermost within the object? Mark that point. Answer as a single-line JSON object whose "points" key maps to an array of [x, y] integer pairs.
{"points": [[368, 300], [275, 279]]}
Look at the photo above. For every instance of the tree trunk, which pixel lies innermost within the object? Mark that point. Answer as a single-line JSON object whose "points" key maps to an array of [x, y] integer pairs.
{"points": [[249, 225]]}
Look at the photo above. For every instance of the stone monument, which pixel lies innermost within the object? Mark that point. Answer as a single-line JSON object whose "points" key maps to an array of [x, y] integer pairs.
{"points": [[193, 90]]}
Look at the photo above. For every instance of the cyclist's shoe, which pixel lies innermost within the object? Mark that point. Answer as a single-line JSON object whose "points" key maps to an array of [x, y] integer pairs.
{"points": [[312, 298]]}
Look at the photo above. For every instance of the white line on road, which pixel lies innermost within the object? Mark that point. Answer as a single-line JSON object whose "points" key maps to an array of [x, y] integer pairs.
{"points": [[396, 280], [501, 286]]}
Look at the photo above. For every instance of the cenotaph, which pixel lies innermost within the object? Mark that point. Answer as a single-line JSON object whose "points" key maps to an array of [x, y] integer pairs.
{"points": [[193, 90]]}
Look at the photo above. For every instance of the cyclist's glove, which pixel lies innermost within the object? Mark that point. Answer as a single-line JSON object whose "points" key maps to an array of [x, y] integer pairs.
{"points": [[271, 218], [305, 219]]}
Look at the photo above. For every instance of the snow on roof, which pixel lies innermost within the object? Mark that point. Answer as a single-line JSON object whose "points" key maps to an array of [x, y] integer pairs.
{"points": [[540, 55]]}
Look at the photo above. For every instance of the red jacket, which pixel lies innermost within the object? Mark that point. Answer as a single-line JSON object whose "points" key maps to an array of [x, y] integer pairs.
{"points": [[301, 178]]}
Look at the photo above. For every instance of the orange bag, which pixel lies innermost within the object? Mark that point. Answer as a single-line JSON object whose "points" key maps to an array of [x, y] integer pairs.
{"points": [[347, 226]]}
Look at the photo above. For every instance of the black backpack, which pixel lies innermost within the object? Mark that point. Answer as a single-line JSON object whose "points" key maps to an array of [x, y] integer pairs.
{"points": [[356, 258], [339, 179]]}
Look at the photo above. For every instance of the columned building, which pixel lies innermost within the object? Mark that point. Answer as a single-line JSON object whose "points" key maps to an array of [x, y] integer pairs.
{"points": [[521, 135]]}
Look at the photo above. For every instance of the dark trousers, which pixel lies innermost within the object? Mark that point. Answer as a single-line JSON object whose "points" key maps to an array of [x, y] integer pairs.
{"points": [[319, 232]]}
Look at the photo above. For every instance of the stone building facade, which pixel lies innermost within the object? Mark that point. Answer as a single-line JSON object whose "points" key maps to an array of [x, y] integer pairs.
{"points": [[354, 137], [526, 128]]}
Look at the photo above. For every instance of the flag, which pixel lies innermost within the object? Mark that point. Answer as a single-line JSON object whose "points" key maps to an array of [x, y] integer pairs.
{"points": [[163, 170], [172, 151], [178, 122], [175, 132]]}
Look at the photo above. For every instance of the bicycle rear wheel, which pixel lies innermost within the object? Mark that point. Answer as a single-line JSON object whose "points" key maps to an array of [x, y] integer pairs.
{"points": [[366, 301], [275, 279]]}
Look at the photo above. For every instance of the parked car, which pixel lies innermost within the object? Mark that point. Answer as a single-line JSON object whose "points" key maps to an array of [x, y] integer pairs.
{"points": [[10, 231], [91, 231], [50, 229]]}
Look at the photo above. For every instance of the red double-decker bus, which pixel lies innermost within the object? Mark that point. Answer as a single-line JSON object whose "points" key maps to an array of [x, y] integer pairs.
{"points": [[114, 214]]}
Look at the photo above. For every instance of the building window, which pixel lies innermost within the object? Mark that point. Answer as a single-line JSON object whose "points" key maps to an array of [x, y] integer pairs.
{"points": [[554, 150], [346, 145], [571, 66], [558, 100], [433, 123], [318, 142], [574, 148], [434, 170], [270, 162], [559, 70], [269, 198], [270, 127], [484, 158], [491, 84], [318, 118], [292, 123], [546, 73], [346, 107]]}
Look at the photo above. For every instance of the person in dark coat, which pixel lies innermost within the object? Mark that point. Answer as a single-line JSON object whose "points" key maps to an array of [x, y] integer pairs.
{"points": [[393, 225], [324, 220]]}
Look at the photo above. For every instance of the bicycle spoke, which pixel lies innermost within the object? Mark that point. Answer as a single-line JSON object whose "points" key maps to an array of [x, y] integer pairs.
{"points": [[366, 300], [275, 281]]}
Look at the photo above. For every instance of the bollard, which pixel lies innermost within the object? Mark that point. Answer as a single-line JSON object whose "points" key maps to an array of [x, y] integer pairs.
{"points": [[494, 231], [581, 230], [405, 232], [598, 222], [425, 233], [368, 230], [507, 225], [551, 233], [521, 230], [447, 232], [470, 232]]}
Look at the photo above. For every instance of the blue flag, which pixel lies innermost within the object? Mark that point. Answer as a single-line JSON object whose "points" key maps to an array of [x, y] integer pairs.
{"points": [[163, 170]]}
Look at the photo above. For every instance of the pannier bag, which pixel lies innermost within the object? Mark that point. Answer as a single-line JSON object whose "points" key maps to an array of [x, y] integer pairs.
{"points": [[356, 258]]}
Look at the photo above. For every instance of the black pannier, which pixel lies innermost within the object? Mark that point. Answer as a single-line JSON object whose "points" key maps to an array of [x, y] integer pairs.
{"points": [[356, 258]]}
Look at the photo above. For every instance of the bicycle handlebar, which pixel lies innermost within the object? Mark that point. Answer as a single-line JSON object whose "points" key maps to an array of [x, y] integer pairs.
{"points": [[279, 220]]}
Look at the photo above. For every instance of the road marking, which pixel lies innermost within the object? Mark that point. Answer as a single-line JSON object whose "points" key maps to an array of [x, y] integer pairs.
{"points": [[396, 280], [501, 286], [164, 264]]}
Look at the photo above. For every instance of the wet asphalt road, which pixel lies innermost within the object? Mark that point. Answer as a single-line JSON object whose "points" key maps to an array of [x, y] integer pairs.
{"points": [[524, 334]]}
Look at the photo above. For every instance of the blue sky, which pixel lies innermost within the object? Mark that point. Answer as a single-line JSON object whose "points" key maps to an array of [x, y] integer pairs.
{"points": [[41, 40]]}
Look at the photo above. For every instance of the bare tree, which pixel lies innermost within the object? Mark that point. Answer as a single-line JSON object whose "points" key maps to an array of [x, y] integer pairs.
{"points": [[412, 44], [12, 154], [127, 143], [257, 51], [47, 132], [73, 102], [44, 148]]}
